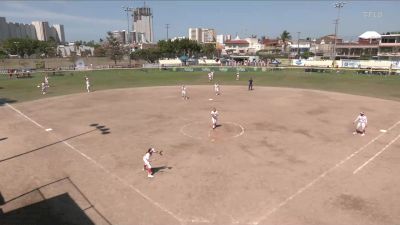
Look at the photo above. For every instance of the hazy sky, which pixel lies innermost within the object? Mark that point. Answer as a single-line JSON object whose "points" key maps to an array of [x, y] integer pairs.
{"points": [[90, 20]]}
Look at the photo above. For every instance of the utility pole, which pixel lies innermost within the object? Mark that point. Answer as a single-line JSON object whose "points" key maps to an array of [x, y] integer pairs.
{"points": [[167, 27], [298, 44], [128, 38], [337, 5]]}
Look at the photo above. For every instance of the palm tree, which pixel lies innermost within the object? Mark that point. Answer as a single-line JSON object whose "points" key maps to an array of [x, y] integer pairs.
{"points": [[285, 37]]}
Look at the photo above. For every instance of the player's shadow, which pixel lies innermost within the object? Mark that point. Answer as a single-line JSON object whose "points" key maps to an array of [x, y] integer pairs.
{"points": [[218, 125], [160, 169], [104, 130], [2, 139], [3, 101]]}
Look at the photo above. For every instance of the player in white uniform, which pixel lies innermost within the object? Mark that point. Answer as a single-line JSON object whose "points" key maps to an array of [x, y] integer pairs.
{"points": [[87, 84], [146, 160], [214, 118], [212, 75], [46, 81], [362, 122], [209, 77], [217, 89], [183, 90], [44, 88], [237, 75]]}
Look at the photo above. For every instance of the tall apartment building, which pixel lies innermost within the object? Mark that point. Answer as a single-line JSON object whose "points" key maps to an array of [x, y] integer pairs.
{"points": [[42, 30], [208, 35], [195, 34], [38, 30], [60, 32], [16, 30], [143, 25], [202, 35]]}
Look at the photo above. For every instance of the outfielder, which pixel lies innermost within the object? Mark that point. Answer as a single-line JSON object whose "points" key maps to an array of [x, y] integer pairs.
{"points": [[214, 118], [87, 84], [237, 75], [46, 81], [209, 77], [362, 122], [216, 89], [44, 88]]}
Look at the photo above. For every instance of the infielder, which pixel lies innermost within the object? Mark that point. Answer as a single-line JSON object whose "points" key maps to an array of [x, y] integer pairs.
{"points": [[209, 77], [146, 160], [212, 75], [237, 75], [217, 89], [87, 84], [214, 117], [183, 91], [362, 122]]}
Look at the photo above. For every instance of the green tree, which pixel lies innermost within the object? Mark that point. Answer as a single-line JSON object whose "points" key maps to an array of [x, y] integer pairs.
{"points": [[114, 48], [100, 51], [285, 37], [166, 48], [150, 55], [14, 46], [209, 50]]}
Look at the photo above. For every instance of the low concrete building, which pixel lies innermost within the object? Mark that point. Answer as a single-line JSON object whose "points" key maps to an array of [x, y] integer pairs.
{"points": [[72, 49], [389, 46]]}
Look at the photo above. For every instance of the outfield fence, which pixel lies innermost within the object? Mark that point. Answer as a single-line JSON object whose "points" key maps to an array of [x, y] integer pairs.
{"points": [[223, 69]]}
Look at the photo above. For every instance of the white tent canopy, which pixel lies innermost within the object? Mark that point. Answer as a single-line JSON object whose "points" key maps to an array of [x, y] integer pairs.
{"points": [[370, 35]]}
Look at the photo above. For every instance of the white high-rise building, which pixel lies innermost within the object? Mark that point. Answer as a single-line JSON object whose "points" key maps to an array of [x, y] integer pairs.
{"points": [[195, 34], [202, 35], [42, 30], [208, 35], [143, 25], [60, 32], [221, 38]]}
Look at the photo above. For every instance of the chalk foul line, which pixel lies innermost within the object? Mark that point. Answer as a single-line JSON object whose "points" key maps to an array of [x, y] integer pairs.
{"points": [[318, 178], [158, 205]]}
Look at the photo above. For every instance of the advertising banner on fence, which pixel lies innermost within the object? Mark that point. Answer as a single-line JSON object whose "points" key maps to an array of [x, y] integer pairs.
{"points": [[396, 65], [188, 69], [347, 63], [298, 62]]}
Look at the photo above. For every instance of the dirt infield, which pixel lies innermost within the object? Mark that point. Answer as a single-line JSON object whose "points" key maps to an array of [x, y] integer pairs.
{"points": [[280, 156]]}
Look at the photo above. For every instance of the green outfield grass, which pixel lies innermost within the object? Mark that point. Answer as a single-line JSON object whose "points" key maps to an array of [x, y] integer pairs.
{"points": [[386, 87]]}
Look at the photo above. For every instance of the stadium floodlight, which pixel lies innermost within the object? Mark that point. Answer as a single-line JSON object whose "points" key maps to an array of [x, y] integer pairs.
{"points": [[337, 5], [127, 10]]}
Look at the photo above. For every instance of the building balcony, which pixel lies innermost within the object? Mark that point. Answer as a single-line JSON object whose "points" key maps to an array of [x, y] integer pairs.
{"points": [[389, 54], [389, 44], [341, 46]]}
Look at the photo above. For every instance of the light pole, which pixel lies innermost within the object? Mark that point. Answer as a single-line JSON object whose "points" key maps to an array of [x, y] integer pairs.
{"points": [[337, 5], [127, 10], [167, 27], [298, 44]]}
